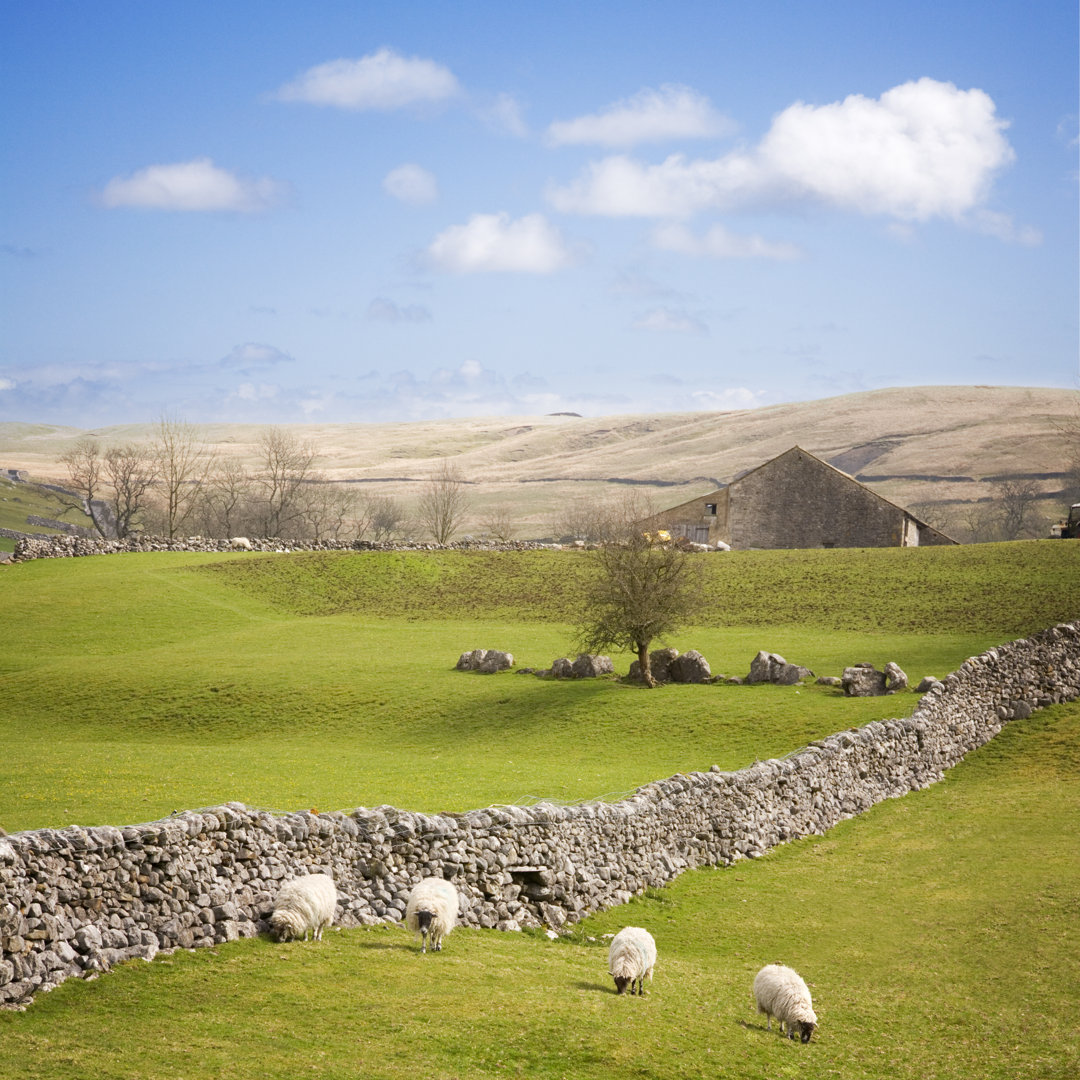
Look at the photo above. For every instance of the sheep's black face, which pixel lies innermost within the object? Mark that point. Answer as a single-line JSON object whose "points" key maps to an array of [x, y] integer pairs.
{"points": [[807, 1031], [423, 920], [621, 983]]}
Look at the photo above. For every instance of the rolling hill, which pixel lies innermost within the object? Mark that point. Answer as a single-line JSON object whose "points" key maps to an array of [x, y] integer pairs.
{"points": [[926, 447]]}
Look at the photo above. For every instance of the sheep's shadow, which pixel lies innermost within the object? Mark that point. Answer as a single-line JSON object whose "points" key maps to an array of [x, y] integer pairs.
{"points": [[600, 988]]}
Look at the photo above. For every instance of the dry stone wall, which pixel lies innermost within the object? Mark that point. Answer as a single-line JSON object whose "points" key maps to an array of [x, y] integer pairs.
{"points": [[78, 900], [41, 546]]}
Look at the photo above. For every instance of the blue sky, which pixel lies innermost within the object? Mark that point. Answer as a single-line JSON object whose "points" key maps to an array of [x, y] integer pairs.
{"points": [[338, 211]]}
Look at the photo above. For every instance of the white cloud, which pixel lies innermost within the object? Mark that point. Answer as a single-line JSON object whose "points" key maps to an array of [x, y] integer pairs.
{"points": [[7, 384], [197, 185], [922, 150], [721, 244], [471, 369], [666, 320], [249, 391], [738, 397], [383, 80], [672, 112], [504, 115], [252, 354], [1004, 228], [411, 184], [493, 242], [383, 310]]}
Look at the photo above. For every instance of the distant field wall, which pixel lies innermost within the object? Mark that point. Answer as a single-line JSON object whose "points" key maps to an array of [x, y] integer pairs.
{"points": [[78, 900]]}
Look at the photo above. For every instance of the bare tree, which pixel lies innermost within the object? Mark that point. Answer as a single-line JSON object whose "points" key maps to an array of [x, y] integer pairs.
{"points": [[1017, 515], [642, 588], [443, 503], [84, 470], [499, 524], [326, 507], [286, 462], [385, 517], [226, 499], [579, 519], [132, 472], [183, 466]]}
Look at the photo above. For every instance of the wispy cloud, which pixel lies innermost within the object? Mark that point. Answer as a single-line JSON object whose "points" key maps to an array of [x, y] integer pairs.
{"points": [[672, 112], [384, 80], [495, 243], [383, 310], [17, 252], [922, 150], [252, 356], [197, 185], [505, 116], [719, 243], [411, 184], [667, 320]]}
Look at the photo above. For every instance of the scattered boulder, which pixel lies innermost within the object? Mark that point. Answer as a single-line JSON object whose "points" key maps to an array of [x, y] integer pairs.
{"points": [[587, 666], [829, 680], [863, 680], [668, 665], [895, 678], [690, 667], [485, 661], [563, 668], [773, 668], [928, 683]]}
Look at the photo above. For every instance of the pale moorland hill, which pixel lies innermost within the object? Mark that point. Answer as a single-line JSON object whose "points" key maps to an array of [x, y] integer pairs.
{"points": [[918, 446]]}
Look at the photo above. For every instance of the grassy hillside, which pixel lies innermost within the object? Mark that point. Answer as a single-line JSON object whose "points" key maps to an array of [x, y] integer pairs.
{"points": [[937, 931], [140, 684], [19, 500]]}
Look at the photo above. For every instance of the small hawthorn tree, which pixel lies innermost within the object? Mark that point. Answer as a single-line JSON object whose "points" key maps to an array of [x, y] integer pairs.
{"points": [[642, 588]]}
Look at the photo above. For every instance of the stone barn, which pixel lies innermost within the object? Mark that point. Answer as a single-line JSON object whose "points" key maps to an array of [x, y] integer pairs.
{"points": [[797, 500]]}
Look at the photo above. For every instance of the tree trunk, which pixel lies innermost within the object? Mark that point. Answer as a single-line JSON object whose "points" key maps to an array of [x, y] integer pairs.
{"points": [[644, 664]]}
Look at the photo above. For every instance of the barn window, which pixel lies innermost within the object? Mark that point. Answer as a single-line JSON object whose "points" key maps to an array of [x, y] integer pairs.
{"points": [[710, 508]]}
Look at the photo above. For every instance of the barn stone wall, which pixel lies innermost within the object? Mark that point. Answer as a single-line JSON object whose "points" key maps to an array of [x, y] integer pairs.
{"points": [[78, 900]]}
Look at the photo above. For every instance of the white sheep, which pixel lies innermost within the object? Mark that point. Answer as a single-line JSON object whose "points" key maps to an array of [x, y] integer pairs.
{"points": [[780, 991], [631, 958], [240, 543], [432, 909], [303, 905]]}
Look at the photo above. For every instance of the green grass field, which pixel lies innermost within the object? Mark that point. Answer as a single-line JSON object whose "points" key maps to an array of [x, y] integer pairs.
{"points": [[938, 931]]}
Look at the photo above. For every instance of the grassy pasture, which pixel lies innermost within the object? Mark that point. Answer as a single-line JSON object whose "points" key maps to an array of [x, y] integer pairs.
{"points": [[135, 685], [938, 931]]}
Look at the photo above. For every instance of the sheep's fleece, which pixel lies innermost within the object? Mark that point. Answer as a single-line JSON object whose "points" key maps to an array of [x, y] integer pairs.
{"points": [[432, 909], [303, 905], [631, 958], [779, 991]]}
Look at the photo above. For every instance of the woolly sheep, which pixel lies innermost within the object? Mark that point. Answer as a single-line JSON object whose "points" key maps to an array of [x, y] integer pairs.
{"points": [[631, 958], [303, 905], [432, 909], [779, 991], [240, 543]]}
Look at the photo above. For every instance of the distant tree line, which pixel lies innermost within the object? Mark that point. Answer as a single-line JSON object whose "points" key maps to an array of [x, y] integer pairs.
{"points": [[177, 485]]}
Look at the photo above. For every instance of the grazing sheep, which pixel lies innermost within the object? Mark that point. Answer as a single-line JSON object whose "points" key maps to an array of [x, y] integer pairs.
{"points": [[240, 543], [631, 958], [432, 909], [779, 991], [302, 905]]}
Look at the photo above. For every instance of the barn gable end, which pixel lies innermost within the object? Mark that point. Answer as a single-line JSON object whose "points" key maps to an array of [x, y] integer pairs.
{"points": [[796, 500]]}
